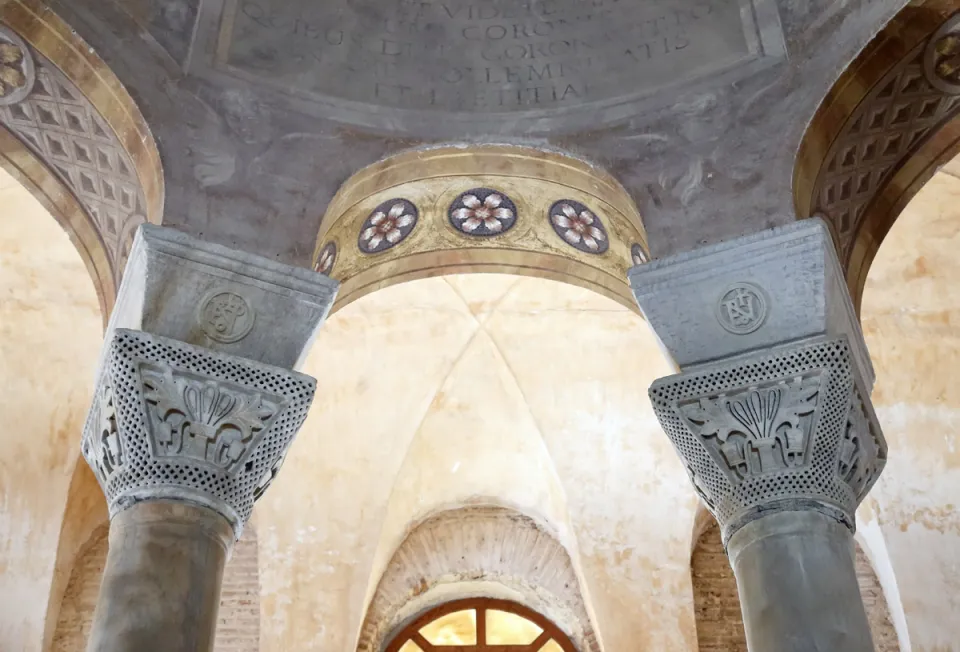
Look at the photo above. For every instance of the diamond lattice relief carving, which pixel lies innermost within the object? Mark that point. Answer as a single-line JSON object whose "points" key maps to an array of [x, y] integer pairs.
{"points": [[63, 128], [902, 110]]}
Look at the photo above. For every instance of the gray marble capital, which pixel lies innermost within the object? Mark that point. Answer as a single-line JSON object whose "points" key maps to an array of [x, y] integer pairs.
{"points": [[196, 398], [772, 411]]}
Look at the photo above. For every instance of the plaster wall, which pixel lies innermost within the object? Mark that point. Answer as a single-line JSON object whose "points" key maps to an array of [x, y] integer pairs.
{"points": [[50, 329], [911, 314], [480, 390]]}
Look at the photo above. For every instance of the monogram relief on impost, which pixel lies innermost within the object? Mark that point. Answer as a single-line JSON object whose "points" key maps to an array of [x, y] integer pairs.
{"points": [[202, 419], [742, 308], [765, 429], [226, 316]]}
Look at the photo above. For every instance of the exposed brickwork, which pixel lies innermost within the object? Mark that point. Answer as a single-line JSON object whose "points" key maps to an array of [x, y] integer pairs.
{"points": [[717, 602], [80, 598], [715, 597], [878, 612], [238, 626], [493, 545]]}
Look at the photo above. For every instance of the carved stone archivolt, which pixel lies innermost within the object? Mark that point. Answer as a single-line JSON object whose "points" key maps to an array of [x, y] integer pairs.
{"points": [[65, 109], [789, 430], [181, 422], [882, 131], [481, 209]]}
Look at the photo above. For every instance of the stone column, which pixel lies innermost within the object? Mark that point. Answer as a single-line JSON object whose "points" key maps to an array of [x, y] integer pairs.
{"points": [[195, 408], [773, 420]]}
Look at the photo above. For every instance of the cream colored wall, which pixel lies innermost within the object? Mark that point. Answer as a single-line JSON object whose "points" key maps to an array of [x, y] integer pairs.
{"points": [[911, 318], [443, 392], [50, 331]]}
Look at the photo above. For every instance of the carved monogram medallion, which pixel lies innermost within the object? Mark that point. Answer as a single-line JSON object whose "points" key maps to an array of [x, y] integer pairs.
{"points": [[762, 430], [205, 420], [389, 224], [483, 212], [17, 71], [579, 226], [327, 259], [226, 316], [742, 308], [941, 60]]}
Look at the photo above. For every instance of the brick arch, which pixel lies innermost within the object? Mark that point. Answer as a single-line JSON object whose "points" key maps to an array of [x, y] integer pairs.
{"points": [[717, 601], [238, 622], [478, 552]]}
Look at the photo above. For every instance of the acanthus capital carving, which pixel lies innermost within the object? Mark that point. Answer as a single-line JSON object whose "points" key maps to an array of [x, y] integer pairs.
{"points": [[788, 429], [203, 419], [760, 430], [177, 421]]}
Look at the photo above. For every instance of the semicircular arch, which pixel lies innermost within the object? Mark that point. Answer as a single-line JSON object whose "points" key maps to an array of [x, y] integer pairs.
{"points": [[887, 124], [74, 136], [478, 552]]}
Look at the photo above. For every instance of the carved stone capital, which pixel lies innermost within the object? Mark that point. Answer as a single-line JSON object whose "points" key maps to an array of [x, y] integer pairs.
{"points": [[787, 430], [176, 421]]}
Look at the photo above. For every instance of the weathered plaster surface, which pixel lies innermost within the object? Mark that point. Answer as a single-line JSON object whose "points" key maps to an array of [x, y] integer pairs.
{"points": [[50, 327], [247, 167], [481, 389], [911, 312]]}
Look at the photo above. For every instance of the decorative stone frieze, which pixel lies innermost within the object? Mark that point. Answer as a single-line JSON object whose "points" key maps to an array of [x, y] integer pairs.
{"points": [[177, 421], [784, 430], [480, 208]]}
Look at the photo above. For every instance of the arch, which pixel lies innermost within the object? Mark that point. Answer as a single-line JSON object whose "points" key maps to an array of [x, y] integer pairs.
{"points": [[51, 331], [533, 205], [488, 552], [885, 127], [717, 600], [481, 625], [75, 138]]}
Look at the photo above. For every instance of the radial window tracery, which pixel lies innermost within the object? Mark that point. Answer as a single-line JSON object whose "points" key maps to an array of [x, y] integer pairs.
{"points": [[481, 625]]}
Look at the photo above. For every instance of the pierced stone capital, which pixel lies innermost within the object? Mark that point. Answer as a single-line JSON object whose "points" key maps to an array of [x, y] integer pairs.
{"points": [[176, 421], [791, 429]]}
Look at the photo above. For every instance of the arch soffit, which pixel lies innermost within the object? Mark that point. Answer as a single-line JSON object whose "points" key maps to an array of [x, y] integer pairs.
{"points": [[478, 552], [889, 122], [74, 137], [481, 208]]}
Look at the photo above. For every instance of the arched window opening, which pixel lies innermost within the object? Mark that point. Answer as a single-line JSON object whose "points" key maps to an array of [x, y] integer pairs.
{"points": [[481, 625]]}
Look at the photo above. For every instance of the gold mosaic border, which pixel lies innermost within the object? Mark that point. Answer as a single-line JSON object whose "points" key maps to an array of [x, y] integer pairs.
{"points": [[892, 50], [433, 179], [49, 35]]}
